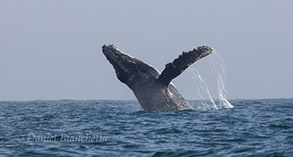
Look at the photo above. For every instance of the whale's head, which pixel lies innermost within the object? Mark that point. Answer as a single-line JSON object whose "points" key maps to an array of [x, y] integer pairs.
{"points": [[128, 69]]}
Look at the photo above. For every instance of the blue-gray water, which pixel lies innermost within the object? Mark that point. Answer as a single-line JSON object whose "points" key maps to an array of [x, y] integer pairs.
{"points": [[121, 128]]}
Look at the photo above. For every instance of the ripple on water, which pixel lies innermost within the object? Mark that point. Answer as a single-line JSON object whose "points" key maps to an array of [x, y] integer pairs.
{"points": [[252, 127]]}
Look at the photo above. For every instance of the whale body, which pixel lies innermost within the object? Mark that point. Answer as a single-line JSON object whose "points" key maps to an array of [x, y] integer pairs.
{"points": [[153, 90]]}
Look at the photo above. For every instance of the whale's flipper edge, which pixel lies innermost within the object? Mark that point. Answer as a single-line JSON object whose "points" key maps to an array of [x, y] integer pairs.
{"points": [[175, 68]]}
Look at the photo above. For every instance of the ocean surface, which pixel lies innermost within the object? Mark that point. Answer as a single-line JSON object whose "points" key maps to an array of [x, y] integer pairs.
{"points": [[122, 128]]}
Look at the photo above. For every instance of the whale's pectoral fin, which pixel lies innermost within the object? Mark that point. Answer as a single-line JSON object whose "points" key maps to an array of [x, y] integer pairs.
{"points": [[181, 63]]}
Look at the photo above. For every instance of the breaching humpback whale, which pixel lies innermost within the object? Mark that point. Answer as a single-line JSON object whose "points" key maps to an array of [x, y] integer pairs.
{"points": [[153, 90]]}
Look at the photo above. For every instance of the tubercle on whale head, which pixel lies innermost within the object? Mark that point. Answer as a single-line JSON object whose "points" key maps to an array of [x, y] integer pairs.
{"points": [[128, 69], [111, 52], [122, 62]]}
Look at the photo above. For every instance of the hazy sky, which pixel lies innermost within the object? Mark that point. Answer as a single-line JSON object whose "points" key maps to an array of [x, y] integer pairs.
{"points": [[52, 49]]}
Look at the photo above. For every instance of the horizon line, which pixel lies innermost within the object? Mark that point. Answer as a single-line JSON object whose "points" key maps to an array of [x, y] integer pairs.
{"points": [[107, 99]]}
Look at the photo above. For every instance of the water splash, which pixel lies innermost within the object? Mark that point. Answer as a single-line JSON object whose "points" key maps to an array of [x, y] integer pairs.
{"points": [[209, 81]]}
